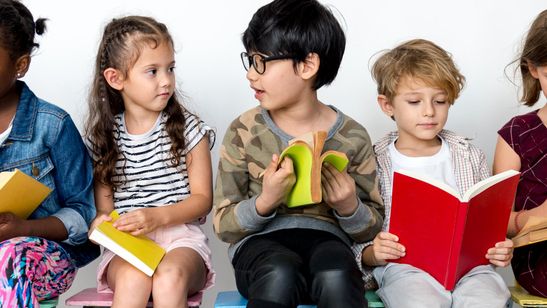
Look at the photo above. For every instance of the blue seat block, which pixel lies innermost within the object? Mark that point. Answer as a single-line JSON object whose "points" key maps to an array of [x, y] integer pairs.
{"points": [[232, 299]]}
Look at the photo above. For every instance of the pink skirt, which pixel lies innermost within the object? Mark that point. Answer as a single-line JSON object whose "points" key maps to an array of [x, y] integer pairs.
{"points": [[184, 235]]}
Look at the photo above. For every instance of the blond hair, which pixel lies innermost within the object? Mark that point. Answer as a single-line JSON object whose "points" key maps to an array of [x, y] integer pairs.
{"points": [[417, 59]]}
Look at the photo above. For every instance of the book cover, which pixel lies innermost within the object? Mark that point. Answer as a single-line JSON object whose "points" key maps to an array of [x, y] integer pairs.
{"points": [[444, 234], [140, 251], [305, 152], [534, 231], [20, 193]]}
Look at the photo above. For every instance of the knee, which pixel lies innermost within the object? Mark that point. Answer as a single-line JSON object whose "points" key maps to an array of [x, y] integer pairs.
{"points": [[169, 280], [282, 270], [132, 281]]}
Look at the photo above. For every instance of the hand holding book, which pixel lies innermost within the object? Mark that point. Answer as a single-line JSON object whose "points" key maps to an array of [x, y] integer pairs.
{"points": [[278, 180], [338, 189], [305, 153]]}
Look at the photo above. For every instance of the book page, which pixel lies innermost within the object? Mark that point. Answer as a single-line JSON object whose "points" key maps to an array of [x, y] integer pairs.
{"points": [[431, 181], [486, 183], [4, 177]]}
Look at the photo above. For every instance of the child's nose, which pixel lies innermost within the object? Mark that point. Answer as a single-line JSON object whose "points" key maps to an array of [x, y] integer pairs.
{"points": [[251, 73], [429, 110], [166, 80]]}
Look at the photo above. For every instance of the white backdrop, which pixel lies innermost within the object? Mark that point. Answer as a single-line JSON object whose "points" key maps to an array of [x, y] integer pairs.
{"points": [[483, 36]]}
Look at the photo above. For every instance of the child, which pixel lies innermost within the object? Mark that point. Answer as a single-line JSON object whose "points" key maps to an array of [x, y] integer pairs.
{"points": [[286, 256], [417, 84], [521, 146], [152, 165], [39, 256]]}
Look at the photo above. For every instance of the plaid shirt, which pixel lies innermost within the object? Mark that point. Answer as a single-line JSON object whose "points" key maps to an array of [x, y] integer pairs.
{"points": [[469, 164]]}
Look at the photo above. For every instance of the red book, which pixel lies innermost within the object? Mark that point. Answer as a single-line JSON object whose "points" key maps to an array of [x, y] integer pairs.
{"points": [[444, 234]]}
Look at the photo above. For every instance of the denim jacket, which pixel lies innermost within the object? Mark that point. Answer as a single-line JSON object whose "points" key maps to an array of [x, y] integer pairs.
{"points": [[45, 144]]}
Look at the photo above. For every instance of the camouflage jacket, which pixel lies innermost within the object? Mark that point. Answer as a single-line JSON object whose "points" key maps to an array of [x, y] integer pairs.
{"points": [[247, 149]]}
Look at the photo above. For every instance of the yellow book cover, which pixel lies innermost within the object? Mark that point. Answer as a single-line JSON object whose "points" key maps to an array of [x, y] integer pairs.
{"points": [[305, 152], [140, 251], [535, 230], [20, 193], [525, 299]]}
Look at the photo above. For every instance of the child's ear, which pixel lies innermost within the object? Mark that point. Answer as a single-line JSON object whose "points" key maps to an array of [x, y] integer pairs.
{"points": [[533, 69], [385, 105], [22, 64], [309, 67], [114, 78]]}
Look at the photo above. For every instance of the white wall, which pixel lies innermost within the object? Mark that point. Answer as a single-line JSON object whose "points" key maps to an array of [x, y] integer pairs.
{"points": [[483, 36]]}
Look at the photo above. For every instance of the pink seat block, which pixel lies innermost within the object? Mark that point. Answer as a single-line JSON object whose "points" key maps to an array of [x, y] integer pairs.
{"points": [[90, 297]]}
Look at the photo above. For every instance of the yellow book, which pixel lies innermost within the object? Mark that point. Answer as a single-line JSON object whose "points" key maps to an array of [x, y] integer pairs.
{"points": [[525, 299], [305, 152], [140, 251], [20, 193], [535, 230]]}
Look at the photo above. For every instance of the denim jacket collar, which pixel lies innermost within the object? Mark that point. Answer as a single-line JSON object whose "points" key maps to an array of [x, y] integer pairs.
{"points": [[25, 116]]}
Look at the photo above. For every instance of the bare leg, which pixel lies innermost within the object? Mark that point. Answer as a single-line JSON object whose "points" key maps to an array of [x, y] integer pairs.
{"points": [[182, 272], [131, 286]]}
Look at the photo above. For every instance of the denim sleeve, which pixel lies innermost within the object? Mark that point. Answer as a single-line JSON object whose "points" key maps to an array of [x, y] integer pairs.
{"points": [[73, 181]]}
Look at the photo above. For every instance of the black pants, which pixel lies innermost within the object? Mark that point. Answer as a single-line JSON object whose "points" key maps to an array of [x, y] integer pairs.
{"points": [[298, 266]]}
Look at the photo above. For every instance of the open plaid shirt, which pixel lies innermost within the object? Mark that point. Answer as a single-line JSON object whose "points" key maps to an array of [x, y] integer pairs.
{"points": [[469, 164]]}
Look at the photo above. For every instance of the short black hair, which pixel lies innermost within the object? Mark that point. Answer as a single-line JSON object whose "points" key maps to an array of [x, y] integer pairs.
{"points": [[17, 28], [298, 28]]}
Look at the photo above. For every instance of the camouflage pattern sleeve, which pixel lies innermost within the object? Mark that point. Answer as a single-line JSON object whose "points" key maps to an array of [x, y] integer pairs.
{"points": [[367, 221], [235, 193]]}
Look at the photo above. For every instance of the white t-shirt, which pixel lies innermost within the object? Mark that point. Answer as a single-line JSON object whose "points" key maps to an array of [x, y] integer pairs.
{"points": [[438, 166], [4, 135]]}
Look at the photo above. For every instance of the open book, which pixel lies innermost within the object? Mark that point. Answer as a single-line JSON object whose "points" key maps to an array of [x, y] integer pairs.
{"points": [[20, 193], [140, 251], [535, 230], [305, 152], [444, 234]]}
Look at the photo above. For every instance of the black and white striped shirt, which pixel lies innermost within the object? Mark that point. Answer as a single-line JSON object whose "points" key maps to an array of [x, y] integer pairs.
{"points": [[144, 167]]}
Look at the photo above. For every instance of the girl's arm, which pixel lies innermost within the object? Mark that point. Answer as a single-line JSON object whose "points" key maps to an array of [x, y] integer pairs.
{"points": [[51, 227], [197, 205], [506, 158], [103, 203]]}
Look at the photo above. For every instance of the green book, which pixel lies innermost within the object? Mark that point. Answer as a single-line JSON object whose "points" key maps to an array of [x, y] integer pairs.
{"points": [[306, 153]]}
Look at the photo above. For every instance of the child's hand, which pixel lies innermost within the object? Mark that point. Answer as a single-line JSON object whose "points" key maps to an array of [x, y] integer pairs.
{"points": [[338, 190], [501, 254], [11, 226], [276, 185], [97, 221], [139, 222], [386, 247]]}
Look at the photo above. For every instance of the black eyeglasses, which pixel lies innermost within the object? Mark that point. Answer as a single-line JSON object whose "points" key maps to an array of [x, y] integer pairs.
{"points": [[258, 61]]}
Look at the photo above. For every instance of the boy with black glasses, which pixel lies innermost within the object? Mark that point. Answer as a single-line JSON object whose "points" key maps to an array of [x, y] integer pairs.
{"points": [[287, 256]]}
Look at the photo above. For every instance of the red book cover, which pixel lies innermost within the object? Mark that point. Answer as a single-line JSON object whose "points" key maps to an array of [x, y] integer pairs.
{"points": [[444, 234]]}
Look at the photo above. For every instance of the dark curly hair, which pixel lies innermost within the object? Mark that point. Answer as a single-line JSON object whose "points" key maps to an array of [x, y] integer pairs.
{"points": [[122, 42], [17, 28]]}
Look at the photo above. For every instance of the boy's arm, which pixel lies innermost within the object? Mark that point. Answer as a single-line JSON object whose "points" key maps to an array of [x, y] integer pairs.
{"points": [[235, 214], [367, 220]]}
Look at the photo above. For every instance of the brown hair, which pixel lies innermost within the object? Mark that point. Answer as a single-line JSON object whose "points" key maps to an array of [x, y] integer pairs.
{"points": [[534, 53], [419, 59], [122, 42]]}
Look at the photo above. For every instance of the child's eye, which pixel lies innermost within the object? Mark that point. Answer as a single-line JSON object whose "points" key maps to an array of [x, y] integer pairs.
{"points": [[152, 71], [172, 69], [440, 102], [413, 102]]}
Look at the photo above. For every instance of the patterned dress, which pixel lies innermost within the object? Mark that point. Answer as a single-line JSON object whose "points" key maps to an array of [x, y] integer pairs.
{"points": [[527, 136]]}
